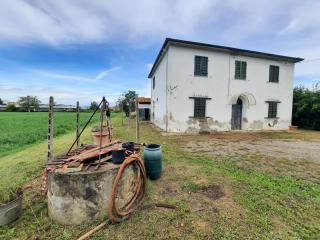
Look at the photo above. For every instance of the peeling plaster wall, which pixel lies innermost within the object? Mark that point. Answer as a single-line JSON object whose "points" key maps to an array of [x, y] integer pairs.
{"points": [[221, 87], [158, 95]]}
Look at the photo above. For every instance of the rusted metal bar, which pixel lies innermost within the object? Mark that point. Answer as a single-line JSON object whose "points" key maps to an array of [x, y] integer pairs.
{"points": [[84, 128], [50, 130], [108, 121], [85, 153], [101, 124], [92, 231]]}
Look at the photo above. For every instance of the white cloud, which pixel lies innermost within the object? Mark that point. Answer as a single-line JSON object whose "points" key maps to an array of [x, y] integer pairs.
{"points": [[61, 94], [60, 76], [144, 22], [43, 83], [79, 21], [70, 77], [304, 16], [106, 73], [287, 27]]}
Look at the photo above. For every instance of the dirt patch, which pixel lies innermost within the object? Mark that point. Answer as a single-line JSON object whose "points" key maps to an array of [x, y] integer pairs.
{"points": [[213, 192], [285, 153], [285, 148], [165, 187], [200, 224]]}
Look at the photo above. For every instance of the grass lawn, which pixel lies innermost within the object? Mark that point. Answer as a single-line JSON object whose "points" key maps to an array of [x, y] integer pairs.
{"points": [[223, 196], [20, 129]]}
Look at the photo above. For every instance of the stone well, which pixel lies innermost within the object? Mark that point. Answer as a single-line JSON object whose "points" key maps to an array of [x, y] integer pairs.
{"points": [[78, 197]]}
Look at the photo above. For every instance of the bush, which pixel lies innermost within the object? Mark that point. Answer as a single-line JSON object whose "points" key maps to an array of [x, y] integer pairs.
{"points": [[11, 108], [306, 107]]}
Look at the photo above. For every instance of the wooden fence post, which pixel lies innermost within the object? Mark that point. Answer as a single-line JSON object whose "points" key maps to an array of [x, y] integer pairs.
{"points": [[122, 114], [50, 130], [129, 123], [78, 123], [137, 120]]}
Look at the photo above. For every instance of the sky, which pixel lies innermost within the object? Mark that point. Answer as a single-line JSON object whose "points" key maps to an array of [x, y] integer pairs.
{"points": [[81, 50]]}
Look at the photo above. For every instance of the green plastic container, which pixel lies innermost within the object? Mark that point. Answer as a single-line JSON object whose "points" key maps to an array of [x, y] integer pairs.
{"points": [[153, 160]]}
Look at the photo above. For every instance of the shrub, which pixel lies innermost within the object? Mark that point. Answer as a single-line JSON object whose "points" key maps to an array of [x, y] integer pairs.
{"points": [[306, 107]]}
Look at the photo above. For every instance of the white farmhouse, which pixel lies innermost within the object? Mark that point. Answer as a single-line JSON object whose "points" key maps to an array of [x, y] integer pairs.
{"points": [[197, 87]]}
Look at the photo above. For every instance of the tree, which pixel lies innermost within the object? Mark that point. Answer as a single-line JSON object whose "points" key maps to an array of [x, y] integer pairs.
{"points": [[29, 102], [127, 102], [11, 108], [93, 105], [1, 102], [306, 107]]}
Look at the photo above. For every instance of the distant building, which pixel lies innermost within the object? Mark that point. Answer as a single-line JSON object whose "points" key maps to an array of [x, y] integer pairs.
{"points": [[3, 107], [57, 108], [42, 107], [144, 105], [199, 87]]}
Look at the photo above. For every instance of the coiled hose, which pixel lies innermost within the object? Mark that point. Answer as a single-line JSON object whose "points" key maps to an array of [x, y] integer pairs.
{"points": [[119, 214]]}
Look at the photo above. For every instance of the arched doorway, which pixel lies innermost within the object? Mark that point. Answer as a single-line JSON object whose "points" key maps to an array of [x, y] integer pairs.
{"points": [[236, 116]]}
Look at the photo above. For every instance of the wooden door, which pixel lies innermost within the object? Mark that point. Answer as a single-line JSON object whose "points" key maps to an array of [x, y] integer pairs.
{"points": [[236, 116]]}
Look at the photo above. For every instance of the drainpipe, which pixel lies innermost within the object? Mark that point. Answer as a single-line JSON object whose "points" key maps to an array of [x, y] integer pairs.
{"points": [[167, 89], [229, 76]]}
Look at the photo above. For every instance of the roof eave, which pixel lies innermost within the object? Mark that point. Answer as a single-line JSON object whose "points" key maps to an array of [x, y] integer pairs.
{"points": [[156, 62], [231, 50]]}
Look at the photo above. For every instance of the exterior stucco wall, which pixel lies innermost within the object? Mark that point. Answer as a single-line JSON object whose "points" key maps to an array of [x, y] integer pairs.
{"points": [[158, 94], [221, 87]]}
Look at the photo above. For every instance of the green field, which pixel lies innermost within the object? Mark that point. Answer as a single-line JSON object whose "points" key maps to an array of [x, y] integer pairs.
{"points": [[20, 129]]}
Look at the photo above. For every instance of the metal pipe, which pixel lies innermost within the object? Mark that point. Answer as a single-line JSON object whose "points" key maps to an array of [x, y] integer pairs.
{"points": [[109, 123], [101, 125]]}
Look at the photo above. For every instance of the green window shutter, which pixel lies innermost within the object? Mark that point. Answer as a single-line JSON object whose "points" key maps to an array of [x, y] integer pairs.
{"points": [[272, 109], [199, 107], [240, 70], [274, 73], [270, 73], [237, 69], [197, 65], [200, 66], [276, 77], [243, 70]]}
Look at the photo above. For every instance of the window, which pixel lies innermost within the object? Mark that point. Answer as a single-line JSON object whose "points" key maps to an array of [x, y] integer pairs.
{"points": [[273, 73], [153, 82], [200, 66], [272, 109], [200, 107], [240, 70]]}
